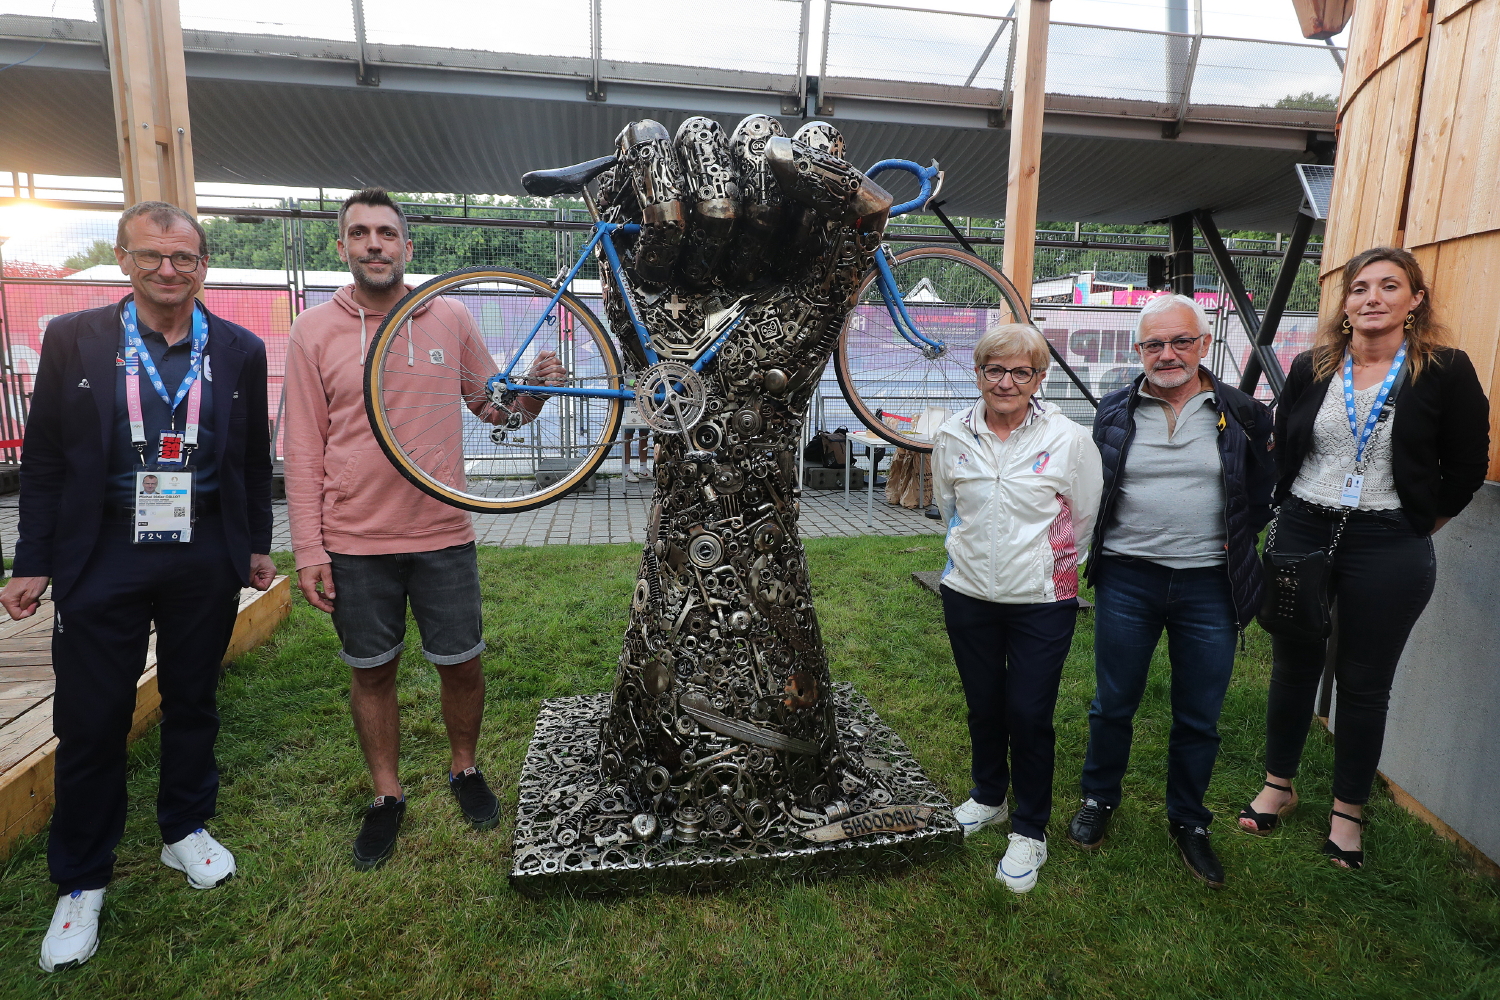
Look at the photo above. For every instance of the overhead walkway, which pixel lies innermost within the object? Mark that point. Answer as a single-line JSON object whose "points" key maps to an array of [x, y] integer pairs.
{"points": [[1139, 125]]}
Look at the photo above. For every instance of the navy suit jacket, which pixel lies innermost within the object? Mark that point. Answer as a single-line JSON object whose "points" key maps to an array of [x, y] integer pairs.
{"points": [[65, 458]]}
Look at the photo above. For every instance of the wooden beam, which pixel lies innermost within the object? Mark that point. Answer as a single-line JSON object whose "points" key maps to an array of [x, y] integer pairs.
{"points": [[147, 73], [1028, 104]]}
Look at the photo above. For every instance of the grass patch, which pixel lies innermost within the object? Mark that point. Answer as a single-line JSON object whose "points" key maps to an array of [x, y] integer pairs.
{"points": [[439, 920]]}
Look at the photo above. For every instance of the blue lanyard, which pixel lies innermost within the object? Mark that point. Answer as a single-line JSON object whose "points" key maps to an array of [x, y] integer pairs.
{"points": [[1363, 439], [135, 348]]}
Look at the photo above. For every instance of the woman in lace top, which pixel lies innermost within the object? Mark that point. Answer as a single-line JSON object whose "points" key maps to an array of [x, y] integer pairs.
{"points": [[1381, 484]]}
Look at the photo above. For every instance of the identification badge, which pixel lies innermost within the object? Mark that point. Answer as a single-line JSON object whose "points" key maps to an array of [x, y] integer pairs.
{"points": [[170, 450], [163, 507], [1353, 484]]}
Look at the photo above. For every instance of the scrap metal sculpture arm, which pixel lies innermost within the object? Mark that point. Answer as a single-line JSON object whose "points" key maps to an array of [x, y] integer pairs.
{"points": [[721, 726]]}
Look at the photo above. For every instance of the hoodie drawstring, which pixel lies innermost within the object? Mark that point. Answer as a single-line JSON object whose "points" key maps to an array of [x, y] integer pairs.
{"points": [[363, 335]]}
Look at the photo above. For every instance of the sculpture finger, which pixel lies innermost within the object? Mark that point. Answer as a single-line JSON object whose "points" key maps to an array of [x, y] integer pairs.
{"points": [[713, 190], [657, 182], [828, 185], [762, 205]]}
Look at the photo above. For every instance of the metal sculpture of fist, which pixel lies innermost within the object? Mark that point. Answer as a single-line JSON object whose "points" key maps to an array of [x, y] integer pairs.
{"points": [[721, 726]]}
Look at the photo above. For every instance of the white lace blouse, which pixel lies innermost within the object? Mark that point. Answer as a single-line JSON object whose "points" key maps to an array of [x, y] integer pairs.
{"points": [[1321, 478]]}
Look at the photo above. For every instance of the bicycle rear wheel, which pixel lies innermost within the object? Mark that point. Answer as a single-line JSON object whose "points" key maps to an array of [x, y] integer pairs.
{"points": [[891, 383], [425, 377]]}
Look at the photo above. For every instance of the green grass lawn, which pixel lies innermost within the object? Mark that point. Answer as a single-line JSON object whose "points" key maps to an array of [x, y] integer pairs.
{"points": [[440, 920]]}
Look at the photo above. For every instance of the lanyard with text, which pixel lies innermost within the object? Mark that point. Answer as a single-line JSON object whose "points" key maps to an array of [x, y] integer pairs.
{"points": [[175, 448], [1354, 481]]}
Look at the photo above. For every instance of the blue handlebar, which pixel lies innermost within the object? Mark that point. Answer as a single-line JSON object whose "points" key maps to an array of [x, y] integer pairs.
{"points": [[921, 173]]}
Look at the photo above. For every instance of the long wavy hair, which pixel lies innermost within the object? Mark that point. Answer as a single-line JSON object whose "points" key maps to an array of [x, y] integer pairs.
{"points": [[1423, 337]]}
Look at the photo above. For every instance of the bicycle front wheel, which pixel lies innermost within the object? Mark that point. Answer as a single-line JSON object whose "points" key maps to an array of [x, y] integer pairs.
{"points": [[425, 391], [901, 390]]}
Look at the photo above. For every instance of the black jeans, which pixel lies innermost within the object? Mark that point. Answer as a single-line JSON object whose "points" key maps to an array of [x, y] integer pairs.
{"points": [[1383, 574], [1010, 659], [100, 635]]}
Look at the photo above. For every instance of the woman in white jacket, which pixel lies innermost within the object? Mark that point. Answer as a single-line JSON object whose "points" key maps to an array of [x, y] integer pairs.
{"points": [[1018, 484]]}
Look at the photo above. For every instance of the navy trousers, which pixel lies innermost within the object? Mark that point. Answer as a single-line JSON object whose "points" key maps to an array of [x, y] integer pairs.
{"points": [[99, 642], [1010, 659], [1134, 601]]}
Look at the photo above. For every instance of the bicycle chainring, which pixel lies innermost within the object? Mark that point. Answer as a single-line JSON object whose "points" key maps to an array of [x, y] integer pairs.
{"points": [[671, 398]]}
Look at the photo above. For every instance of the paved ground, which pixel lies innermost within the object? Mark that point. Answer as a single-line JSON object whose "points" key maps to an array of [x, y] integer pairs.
{"points": [[615, 512]]}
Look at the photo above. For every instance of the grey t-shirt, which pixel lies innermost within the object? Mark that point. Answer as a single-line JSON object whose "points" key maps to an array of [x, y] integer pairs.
{"points": [[1171, 505]]}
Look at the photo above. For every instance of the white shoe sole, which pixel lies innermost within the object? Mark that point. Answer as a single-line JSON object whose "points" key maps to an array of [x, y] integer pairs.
{"points": [[171, 862], [1019, 885], [71, 963]]}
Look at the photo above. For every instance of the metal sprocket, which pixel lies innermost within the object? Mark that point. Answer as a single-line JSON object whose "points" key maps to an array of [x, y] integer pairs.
{"points": [[671, 398]]}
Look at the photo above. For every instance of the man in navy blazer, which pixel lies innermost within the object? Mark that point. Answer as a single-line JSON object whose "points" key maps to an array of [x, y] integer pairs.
{"points": [[82, 466]]}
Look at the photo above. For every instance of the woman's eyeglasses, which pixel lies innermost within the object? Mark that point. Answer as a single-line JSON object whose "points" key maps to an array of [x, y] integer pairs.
{"points": [[1020, 376]]}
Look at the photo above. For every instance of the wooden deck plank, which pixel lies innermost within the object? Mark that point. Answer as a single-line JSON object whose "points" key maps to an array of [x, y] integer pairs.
{"points": [[27, 746]]}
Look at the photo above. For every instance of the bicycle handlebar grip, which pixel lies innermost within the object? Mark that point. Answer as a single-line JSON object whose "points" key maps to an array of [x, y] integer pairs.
{"points": [[647, 147], [924, 176], [713, 185]]}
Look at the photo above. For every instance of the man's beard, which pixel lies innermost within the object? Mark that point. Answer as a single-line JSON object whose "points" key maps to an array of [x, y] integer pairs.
{"points": [[363, 280], [1171, 378]]}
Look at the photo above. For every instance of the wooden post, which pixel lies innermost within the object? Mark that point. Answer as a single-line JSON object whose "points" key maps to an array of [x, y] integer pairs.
{"points": [[1029, 103], [149, 79]]}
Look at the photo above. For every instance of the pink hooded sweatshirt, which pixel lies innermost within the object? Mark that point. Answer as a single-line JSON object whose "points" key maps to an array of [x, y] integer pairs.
{"points": [[343, 494]]}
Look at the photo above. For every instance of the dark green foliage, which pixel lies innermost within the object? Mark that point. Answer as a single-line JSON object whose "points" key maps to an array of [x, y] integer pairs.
{"points": [[102, 252]]}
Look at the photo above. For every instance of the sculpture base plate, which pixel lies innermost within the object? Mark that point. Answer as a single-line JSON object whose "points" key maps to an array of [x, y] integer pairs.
{"points": [[562, 767]]}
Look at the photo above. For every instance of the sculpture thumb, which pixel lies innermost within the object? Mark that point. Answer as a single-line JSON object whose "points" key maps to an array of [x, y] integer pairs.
{"points": [[826, 184]]}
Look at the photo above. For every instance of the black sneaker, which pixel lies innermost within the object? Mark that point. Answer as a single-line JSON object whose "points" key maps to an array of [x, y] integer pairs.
{"points": [[377, 834], [1197, 854], [479, 804], [1087, 828]]}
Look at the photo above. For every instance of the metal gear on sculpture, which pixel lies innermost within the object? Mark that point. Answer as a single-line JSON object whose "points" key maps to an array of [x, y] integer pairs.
{"points": [[724, 736]]}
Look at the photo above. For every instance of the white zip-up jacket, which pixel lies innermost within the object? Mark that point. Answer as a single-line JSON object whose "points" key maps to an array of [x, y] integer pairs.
{"points": [[1020, 512]]}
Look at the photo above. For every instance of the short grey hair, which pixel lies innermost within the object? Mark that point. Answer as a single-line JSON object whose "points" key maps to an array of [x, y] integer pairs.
{"points": [[164, 216], [1007, 339], [1162, 303]]}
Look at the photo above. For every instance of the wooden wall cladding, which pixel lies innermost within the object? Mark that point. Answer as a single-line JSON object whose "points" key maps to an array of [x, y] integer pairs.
{"points": [[1381, 31], [1455, 189], [1376, 137]]}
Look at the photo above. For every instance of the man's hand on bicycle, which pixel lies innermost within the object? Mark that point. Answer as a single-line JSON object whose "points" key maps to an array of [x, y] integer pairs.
{"points": [[545, 369]]}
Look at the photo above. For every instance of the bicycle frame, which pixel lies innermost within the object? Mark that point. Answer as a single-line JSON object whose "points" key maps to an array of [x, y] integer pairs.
{"points": [[603, 236]]}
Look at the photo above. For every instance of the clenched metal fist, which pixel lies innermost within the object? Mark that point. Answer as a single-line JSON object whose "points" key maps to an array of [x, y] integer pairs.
{"points": [[721, 727]]}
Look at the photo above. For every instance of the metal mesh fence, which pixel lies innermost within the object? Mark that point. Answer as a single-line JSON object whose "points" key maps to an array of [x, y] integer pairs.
{"points": [[265, 267], [694, 33], [920, 46]]}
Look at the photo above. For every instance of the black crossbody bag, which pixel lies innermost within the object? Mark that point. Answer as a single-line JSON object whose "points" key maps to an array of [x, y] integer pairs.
{"points": [[1296, 601]]}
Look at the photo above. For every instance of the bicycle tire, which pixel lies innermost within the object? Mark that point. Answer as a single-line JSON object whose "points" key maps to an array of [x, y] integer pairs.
{"points": [[487, 297], [879, 369]]}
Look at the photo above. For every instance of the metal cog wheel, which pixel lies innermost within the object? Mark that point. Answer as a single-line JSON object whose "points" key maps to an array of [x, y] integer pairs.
{"points": [[671, 398]]}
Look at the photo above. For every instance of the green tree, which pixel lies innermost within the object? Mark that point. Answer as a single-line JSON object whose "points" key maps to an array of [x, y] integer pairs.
{"points": [[1308, 101], [102, 252]]}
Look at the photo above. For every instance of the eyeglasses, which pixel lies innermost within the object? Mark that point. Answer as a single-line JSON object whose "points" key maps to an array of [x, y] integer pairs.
{"points": [[1020, 376], [150, 260], [1180, 345]]}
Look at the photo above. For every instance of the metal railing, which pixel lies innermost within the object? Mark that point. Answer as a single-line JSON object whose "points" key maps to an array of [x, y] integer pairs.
{"points": [[868, 52]]}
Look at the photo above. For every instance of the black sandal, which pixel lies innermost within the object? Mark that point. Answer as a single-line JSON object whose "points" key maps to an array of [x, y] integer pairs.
{"points": [[1266, 822], [1339, 856]]}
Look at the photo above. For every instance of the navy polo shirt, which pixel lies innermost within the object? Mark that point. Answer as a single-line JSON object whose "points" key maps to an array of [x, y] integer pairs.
{"points": [[172, 364]]}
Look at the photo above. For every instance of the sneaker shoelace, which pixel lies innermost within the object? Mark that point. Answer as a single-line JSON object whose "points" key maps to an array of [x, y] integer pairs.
{"points": [[1093, 811], [73, 910], [197, 845]]}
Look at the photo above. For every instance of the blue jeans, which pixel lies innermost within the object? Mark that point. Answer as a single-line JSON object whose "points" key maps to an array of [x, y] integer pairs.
{"points": [[1135, 600]]}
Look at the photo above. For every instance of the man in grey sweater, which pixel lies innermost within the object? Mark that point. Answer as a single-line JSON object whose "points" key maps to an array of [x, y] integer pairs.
{"points": [[1187, 486]]}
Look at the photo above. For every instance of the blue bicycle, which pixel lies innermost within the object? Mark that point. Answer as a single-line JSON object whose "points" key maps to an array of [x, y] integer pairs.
{"points": [[431, 377]]}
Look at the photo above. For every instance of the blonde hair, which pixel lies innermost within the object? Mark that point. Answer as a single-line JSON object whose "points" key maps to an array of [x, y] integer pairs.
{"points": [[1423, 337], [1007, 339]]}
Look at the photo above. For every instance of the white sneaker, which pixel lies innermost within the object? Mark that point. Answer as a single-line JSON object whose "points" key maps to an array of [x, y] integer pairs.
{"points": [[73, 936], [206, 862], [646, 474], [631, 477], [1019, 866], [974, 816]]}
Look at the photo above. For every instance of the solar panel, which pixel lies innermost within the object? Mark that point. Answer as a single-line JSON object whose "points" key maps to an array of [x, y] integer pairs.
{"points": [[1317, 184]]}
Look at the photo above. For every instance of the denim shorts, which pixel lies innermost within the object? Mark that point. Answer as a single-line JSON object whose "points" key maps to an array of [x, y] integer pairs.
{"points": [[369, 606]]}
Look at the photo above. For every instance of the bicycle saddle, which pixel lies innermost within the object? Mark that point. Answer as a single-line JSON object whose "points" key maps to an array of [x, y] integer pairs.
{"points": [[565, 180]]}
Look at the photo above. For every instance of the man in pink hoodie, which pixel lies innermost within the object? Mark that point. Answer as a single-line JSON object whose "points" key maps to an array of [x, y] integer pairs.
{"points": [[366, 540]]}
